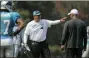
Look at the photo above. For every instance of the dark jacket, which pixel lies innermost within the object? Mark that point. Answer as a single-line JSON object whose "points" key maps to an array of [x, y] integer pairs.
{"points": [[74, 34]]}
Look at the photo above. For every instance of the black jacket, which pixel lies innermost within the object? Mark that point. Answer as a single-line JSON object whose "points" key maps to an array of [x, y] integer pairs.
{"points": [[74, 34]]}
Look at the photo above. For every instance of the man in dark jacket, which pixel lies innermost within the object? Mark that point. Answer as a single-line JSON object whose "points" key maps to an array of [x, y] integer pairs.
{"points": [[74, 36]]}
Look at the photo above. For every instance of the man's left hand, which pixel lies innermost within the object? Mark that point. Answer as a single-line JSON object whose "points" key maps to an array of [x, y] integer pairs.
{"points": [[62, 47]]}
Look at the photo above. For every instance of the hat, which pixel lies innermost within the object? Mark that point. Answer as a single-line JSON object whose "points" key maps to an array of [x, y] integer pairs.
{"points": [[73, 11], [36, 13], [8, 5]]}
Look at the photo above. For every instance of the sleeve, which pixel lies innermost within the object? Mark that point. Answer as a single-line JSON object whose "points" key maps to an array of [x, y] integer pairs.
{"points": [[15, 16], [85, 35], [52, 22], [65, 34], [26, 34]]}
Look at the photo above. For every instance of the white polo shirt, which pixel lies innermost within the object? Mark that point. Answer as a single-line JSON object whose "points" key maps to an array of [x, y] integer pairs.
{"points": [[37, 30]]}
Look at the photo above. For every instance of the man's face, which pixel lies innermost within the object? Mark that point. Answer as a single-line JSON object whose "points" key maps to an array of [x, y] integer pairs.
{"points": [[37, 17], [71, 16]]}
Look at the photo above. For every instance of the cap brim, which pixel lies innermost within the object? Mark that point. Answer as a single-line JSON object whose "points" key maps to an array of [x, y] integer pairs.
{"points": [[69, 13], [37, 14]]}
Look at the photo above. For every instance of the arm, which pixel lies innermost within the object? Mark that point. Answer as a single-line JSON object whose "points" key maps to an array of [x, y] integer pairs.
{"points": [[65, 33], [20, 26], [17, 20], [53, 22], [26, 34], [56, 21]]}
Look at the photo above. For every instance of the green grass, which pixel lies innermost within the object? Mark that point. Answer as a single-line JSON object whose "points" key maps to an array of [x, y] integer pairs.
{"points": [[56, 50]]}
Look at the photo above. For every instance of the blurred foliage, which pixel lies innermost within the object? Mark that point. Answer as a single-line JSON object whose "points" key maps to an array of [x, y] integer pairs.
{"points": [[45, 7], [25, 15]]}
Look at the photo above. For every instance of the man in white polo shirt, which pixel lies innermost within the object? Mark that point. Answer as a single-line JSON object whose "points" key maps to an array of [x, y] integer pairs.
{"points": [[36, 30]]}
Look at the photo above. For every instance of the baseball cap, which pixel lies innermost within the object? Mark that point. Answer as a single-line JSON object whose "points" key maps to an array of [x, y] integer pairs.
{"points": [[36, 13], [73, 11]]}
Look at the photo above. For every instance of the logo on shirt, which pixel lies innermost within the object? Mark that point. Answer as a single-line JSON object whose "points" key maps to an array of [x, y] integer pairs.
{"points": [[42, 26]]}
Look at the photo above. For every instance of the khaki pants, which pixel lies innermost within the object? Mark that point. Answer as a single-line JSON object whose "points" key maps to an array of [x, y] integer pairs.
{"points": [[6, 48], [16, 41], [16, 49]]}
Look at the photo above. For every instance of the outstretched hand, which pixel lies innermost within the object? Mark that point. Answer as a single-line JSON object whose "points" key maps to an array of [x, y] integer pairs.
{"points": [[63, 19]]}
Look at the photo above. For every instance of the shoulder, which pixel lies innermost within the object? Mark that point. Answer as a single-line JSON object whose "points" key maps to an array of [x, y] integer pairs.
{"points": [[67, 22], [14, 13], [44, 20], [82, 22], [30, 23]]}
